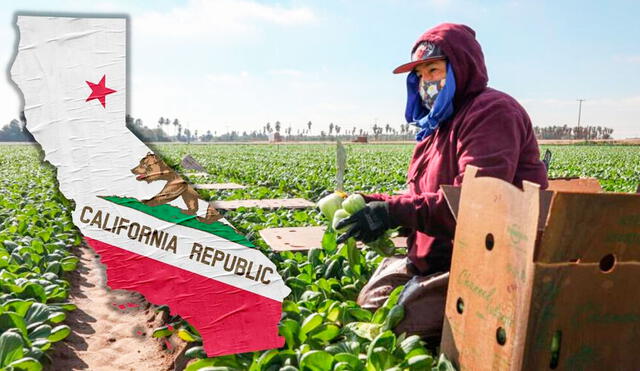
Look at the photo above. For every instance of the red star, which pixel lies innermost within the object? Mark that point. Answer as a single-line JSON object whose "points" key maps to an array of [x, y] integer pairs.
{"points": [[99, 91]]}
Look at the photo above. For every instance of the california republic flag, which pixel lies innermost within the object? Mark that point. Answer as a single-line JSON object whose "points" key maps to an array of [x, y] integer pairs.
{"points": [[152, 231]]}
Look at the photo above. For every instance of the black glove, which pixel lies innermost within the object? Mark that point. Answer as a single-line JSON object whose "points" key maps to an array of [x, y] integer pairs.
{"points": [[368, 223]]}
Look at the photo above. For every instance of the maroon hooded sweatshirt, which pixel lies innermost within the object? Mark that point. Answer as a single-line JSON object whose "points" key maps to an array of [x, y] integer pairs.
{"points": [[488, 129]]}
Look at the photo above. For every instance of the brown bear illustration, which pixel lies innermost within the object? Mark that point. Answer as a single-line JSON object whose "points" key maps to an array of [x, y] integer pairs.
{"points": [[152, 168]]}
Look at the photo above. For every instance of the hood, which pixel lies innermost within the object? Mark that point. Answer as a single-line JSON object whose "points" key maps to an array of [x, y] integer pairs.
{"points": [[459, 44]]}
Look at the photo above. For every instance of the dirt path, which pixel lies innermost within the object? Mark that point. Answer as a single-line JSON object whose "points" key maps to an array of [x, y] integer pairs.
{"points": [[111, 329]]}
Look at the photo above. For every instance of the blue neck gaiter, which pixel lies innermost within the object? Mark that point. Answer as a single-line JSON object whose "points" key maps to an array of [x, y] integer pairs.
{"points": [[415, 112]]}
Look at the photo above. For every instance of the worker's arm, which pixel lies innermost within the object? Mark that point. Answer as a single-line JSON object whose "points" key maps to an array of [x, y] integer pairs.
{"points": [[490, 138]]}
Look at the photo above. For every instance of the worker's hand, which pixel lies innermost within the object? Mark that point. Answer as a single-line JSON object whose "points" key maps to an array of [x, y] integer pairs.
{"points": [[367, 224]]}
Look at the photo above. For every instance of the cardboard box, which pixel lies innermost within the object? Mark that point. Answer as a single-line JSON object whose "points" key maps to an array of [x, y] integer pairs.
{"points": [[534, 270]]}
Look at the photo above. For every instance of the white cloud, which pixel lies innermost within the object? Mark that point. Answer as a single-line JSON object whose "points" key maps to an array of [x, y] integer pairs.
{"points": [[218, 19], [287, 72], [627, 58], [228, 78]]}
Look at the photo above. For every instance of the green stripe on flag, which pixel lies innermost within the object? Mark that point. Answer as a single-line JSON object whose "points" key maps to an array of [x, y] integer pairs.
{"points": [[173, 214]]}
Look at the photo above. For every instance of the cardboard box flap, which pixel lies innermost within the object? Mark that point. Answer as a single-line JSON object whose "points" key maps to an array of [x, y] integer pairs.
{"points": [[452, 196], [588, 185], [588, 227], [491, 263]]}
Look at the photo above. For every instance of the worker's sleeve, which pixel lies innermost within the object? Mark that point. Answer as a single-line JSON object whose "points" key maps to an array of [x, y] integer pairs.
{"points": [[490, 138], [375, 197]]}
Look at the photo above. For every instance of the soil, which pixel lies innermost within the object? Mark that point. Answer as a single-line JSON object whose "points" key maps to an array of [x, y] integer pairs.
{"points": [[111, 329]]}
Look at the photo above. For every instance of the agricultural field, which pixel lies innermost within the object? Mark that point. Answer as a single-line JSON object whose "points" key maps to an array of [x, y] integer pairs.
{"points": [[323, 326]]}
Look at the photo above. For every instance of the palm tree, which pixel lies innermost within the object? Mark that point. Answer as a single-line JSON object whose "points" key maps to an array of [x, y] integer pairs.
{"points": [[330, 128], [175, 124], [277, 125], [309, 125], [187, 134]]}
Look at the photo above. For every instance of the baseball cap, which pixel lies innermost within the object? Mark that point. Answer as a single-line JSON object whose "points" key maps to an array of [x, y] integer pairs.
{"points": [[423, 52]]}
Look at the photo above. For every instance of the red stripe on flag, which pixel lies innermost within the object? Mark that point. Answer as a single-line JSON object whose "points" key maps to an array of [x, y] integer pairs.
{"points": [[230, 320]]}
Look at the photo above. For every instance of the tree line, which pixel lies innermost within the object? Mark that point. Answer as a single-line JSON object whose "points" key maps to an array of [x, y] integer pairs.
{"points": [[576, 132], [168, 130]]}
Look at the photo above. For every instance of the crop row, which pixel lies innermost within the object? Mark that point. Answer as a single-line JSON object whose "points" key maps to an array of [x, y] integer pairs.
{"points": [[323, 326], [35, 235]]}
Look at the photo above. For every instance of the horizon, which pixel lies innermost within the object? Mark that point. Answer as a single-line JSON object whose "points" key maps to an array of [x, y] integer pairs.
{"points": [[245, 63]]}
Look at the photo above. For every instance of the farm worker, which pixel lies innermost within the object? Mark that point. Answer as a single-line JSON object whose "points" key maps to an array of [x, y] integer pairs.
{"points": [[461, 122]]}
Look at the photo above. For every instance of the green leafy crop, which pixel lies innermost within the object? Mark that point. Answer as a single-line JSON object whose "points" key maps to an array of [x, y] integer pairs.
{"points": [[323, 326]]}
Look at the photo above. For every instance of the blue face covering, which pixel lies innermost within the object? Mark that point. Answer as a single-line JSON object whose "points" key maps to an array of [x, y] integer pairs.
{"points": [[416, 113]]}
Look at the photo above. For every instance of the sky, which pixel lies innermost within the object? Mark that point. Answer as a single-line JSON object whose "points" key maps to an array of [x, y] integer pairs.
{"points": [[223, 65]]}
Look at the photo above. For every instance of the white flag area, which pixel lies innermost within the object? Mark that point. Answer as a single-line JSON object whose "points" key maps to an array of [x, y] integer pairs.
{"points": [[152, 231]]}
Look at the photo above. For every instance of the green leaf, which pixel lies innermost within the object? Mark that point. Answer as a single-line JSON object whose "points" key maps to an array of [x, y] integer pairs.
{"points": [[393, 297], [37, 312], [9, 320], [348, 358], [290, 306], [267, 358], [316, 360], [329, 241], [385, 340], [421, 362], [411, 344], [33, 291], [360, 314], [290, 330], [58, 333], [42, 331], [161, 332], [311, 323], [380, 315], [187, 336], [69, 263], [333, 269], [364, 330], [334, 311], [26, 364], [379, 359], [325, 332], [354, 257], [57, 317], [396, 314], [42, 344], [18, 306], [66, 306], [313, 256], [196, 352], [10, 347], [54, 267], [444, 364], [34, 352], [9, 245]]}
